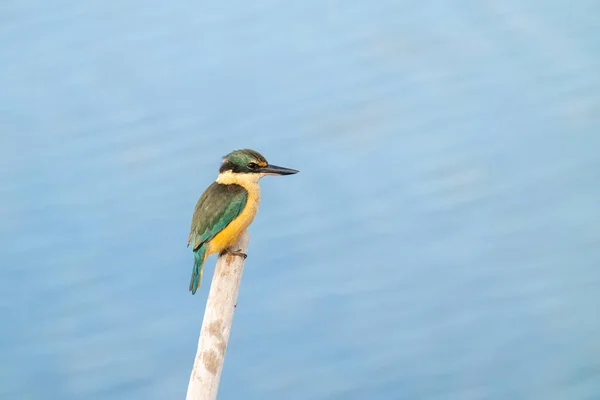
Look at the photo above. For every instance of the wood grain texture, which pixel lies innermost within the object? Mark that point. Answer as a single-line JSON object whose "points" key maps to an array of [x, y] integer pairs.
{"points": [[216, 326]]}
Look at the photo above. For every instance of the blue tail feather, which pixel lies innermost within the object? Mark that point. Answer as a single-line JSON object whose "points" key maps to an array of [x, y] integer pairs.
{"points": [[199, 256]]}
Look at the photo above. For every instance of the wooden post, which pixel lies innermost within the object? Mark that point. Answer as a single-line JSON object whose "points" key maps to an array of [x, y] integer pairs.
{"points": [[216, 326]]}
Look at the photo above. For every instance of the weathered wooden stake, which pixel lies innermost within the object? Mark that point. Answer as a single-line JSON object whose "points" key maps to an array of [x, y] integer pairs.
{"points": [[216, 326]]}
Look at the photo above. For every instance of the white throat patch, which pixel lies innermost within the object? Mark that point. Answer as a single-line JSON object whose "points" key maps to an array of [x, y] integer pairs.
{"points": [[229, 177]]}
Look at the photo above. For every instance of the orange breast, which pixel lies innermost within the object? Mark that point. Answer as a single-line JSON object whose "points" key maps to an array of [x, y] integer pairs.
{"points": [[231, 233]]}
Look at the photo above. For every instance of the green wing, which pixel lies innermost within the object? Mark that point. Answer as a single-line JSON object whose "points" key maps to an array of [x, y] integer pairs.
{"points": [[217, 207]]}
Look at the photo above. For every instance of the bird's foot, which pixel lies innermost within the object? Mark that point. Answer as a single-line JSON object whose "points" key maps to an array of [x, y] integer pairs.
{"points": [[238, 253]]}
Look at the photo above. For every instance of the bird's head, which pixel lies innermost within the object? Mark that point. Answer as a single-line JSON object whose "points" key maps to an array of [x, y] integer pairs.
{"points": [[248, 161]]}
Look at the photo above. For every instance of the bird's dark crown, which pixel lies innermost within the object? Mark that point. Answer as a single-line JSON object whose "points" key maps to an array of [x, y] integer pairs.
{"points": [[243, 161]]}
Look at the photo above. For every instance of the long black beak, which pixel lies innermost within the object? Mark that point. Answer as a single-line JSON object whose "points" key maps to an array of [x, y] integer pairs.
{"points": [[275, 170]]}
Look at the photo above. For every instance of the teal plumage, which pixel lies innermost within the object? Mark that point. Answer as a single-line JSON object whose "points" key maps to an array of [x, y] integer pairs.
{"points": [[199, 256], [217, 207]]}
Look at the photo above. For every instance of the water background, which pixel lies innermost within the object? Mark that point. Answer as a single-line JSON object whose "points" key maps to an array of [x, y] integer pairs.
{"points": [[441, 241]]}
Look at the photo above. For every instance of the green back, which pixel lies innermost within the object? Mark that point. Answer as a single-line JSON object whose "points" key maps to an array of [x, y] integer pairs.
{"points": [[217, 207]]}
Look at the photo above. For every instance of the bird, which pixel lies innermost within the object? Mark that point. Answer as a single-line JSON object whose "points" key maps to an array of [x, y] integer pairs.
{"points": [[227, 207]]}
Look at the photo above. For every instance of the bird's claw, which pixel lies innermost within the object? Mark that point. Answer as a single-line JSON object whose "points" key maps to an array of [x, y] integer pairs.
{"points": [[236, 253]]}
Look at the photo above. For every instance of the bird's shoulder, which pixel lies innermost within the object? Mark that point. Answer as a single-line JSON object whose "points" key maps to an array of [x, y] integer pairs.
{"points": [[220, 204]]}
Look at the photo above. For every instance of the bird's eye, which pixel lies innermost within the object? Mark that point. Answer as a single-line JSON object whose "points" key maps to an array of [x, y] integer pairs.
{"points": [[252, 165]]}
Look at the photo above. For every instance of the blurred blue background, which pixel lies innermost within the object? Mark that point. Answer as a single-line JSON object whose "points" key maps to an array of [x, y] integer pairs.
{"points": [[441, 240]]}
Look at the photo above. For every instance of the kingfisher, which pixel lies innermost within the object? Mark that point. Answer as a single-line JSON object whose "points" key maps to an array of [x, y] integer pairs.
{"points": [[227, 207]]}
